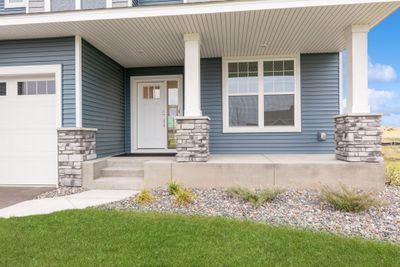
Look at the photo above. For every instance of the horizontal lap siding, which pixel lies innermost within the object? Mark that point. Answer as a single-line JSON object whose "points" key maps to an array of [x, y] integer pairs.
{"points": [[154, 71], [103, 100], [319, 99], [46, 52]]}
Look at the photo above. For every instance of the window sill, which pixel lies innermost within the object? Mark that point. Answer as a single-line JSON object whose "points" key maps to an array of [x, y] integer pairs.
{"points": [[280, 129]]}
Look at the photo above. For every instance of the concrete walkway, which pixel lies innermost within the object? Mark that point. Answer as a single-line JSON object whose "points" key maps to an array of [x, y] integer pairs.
{"points": [[77, 201]]}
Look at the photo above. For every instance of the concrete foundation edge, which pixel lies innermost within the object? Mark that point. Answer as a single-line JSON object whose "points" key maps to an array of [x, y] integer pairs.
{"points": [[367, 176]]}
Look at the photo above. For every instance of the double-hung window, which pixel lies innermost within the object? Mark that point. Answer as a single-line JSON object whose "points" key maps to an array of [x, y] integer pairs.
{"points": [[14, 3], [262, 95]]}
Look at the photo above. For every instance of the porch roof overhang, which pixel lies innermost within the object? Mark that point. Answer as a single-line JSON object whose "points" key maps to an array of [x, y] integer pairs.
{"points": [[153, 35]]}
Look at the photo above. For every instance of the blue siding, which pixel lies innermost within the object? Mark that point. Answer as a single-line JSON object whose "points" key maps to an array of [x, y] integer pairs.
{"points": [[319, 99], [158, 2], [46, 52], [4, 11], [154, 71], [103, 100]]}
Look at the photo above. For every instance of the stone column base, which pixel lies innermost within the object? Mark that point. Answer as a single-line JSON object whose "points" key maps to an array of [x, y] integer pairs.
{"points": [[75, 145], [192, 139], [359, 137]]}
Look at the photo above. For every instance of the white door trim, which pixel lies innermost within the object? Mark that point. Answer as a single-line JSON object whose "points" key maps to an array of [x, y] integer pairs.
{"points": [[56, 70], [134, 81]]}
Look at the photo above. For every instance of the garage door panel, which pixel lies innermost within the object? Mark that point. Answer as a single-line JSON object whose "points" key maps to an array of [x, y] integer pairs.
{"points": [[28, 170], [23, 142], [28, 138]]}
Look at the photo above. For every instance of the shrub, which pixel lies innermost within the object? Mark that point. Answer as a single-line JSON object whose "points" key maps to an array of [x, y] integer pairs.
{"points": [[144, 197], [393, 174], [349, 200], [184, 197], [255, 198], [174, 188]]}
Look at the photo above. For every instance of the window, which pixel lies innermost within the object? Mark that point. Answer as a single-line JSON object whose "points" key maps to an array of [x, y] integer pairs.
{"points": [[46, 87], [151, 92], [14, 3], [3, 89], [262, 95]]}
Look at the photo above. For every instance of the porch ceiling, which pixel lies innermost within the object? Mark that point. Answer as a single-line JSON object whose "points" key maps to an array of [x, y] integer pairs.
{"points": [[158, 40]]}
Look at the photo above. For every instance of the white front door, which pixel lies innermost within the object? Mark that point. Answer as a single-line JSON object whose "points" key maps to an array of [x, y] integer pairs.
{"points": [[28, 135], [151, 115]]}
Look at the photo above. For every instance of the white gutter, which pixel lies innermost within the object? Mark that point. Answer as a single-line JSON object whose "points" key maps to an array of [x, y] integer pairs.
{"points": [[173, 10]]}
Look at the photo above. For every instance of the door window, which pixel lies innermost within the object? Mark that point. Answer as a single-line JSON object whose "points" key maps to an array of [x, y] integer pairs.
{"points": [[173, 111]]}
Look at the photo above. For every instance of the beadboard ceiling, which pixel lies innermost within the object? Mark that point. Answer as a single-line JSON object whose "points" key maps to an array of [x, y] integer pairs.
{"points": [[158, 40]]}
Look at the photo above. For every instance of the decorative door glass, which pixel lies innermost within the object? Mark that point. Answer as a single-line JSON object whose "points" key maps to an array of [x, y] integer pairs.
{"points": [[172, 112]]}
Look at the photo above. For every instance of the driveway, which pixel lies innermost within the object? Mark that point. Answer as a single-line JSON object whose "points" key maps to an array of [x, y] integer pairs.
{"points": [[13, 195]]}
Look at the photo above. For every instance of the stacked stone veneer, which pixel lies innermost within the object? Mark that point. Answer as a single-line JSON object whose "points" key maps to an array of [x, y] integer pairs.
{"points": [[75, 145], [192, 139], [358, 138]]}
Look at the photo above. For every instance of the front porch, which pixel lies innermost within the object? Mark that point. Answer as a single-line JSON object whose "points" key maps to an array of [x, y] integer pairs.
{"points": [[208, 80], [260, 171]]}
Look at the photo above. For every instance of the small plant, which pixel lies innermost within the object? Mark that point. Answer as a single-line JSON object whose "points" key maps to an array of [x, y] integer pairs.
{"points": [[184, 197], [393, 175], [349, 200], [255, 198], [174, 188], [144, 197]]}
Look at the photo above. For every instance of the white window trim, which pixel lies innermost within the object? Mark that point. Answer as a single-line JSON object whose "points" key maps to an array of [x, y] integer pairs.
{"points": [[261, 128], [109, 3], [7, 4]]}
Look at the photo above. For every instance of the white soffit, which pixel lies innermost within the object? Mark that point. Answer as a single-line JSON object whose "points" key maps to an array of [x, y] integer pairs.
{"points": [[158, 40]]}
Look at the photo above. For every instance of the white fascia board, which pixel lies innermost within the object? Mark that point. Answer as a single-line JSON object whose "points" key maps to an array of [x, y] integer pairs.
{"points": [[173, 10]]}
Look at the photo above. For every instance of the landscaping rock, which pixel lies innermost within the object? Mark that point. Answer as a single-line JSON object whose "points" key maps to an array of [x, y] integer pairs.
{"points": [[298, 208], [61, 191]]}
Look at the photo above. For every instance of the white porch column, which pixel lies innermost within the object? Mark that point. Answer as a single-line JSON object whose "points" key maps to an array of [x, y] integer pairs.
{"points": [[192, 75], [357, 69], [358, 134]]}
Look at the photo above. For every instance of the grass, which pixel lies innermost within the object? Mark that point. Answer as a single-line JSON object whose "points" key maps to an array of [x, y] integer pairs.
{"points": [[391, 135], [349, 200], [111, 238], [184, 197], [144, 197], [173, 188], [392, 160], [255, 198]]}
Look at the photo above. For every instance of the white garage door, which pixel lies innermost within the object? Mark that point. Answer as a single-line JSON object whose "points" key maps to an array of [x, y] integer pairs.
{"points": [[28, 133]]}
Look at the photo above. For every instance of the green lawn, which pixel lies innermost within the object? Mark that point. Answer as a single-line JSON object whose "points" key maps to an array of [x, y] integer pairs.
{"points": [[111, 238]]}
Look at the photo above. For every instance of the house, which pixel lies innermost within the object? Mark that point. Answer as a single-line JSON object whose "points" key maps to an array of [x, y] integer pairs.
{"points": [[245, 92]]}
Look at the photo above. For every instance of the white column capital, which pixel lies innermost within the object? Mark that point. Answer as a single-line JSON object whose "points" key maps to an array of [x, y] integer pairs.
{"points": [[188, 37], [358, 28]]}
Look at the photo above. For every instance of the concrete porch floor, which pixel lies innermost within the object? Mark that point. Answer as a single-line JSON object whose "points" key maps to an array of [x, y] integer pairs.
{"points": [[261, 171]]}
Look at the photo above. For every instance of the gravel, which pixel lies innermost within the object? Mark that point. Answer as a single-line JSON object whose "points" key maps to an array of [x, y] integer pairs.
{"points": [[60, 192], [297, 208]]}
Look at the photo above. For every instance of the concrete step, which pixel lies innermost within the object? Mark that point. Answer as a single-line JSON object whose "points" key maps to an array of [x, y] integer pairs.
{"points": [[118, 171], [118, 183], [126, 162]]}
